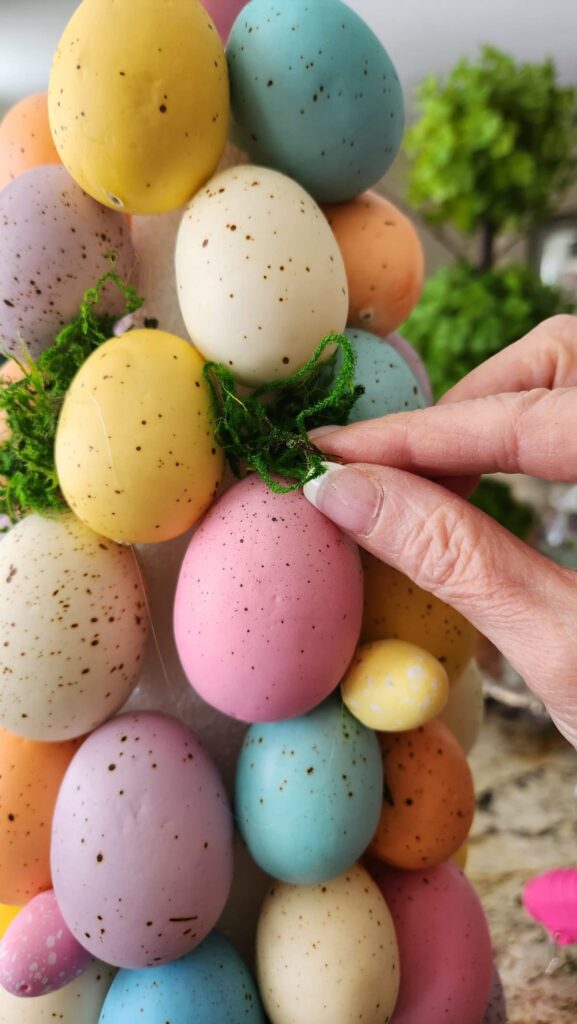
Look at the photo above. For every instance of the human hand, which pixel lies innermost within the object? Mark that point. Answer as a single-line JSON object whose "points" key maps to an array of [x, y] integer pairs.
{"points": [[517, 413]]}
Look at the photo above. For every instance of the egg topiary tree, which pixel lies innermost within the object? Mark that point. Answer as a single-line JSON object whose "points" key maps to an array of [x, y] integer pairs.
{"points": [[214, 710]]}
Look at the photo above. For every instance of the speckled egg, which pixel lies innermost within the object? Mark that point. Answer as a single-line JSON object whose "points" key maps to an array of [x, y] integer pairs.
{"points": [[390, 385], [29, 783], [392, 686], [25, 139], [135, 452], [444, 945], [328, 953], [465, 708], [309, 793], [413, 361], [38, 954], [461, 856], [80, 1001], [496, 1012], [209, 986], [74, 625], [268, 605], [314, 94], [384, 261], [54, 244], [141, 842], [139, 106], [7, 915], [397, 609], [223, 13], [429, 797], [260, 277]]}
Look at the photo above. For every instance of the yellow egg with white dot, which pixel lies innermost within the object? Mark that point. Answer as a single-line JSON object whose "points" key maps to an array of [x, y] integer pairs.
{"points": [[135, 452], [395, 608], [139, 101], [392, 686]]}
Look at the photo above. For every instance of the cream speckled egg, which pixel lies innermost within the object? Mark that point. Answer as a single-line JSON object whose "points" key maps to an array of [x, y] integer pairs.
{"points": [[73, 623], [135, 452], [328, 953], [393, 685], [260, 276], [465, 708], [81, 1001]]}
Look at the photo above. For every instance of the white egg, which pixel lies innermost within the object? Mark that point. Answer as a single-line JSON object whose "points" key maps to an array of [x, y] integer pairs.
{"points": [[328, 953], [82, 1000], [464, 710], [73, 624], [259, 273]]}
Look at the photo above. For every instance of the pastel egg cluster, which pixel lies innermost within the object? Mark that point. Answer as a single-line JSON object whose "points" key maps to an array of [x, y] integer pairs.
{"points": [[163, 610]]}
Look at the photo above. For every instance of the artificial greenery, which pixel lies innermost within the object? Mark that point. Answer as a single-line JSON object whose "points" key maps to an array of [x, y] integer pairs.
{"points": [[267, 430], [464, 317], [495, 145], [28, 480]]}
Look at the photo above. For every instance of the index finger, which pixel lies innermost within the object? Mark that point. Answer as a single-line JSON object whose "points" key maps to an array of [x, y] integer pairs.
{"points": [[544, 358]]}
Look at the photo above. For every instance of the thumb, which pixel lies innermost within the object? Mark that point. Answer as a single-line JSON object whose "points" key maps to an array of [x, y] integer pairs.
{"points": [[525, 604]]}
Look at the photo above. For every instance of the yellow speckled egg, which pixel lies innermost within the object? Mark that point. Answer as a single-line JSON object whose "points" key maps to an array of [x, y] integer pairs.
{"points": [[397, 609], [392, 685], [135, 452], [328, 953], [465, 708], [7, 915], [30, 778], [138, 101], [460, 856]]}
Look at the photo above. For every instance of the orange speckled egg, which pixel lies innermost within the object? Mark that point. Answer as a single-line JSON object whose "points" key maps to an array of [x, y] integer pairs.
{"points": [[396, 609], [30, 778], [9, 372], [429, 798], [25, 138], [383, 259]]}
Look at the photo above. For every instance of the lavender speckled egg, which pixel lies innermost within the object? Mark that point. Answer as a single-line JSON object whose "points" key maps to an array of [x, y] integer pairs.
{"points": [[77, 1003], [73, 623], [141, 842], [268, 605], [54, 244], [444, 945], [315, 95], [38, 954]]}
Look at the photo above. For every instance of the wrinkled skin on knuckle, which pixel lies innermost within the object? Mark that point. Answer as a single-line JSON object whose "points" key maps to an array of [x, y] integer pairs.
{"points": [[439, 549]]}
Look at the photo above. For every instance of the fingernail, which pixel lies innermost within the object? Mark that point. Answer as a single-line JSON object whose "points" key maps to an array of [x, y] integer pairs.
{"points": [[351, 498], [318, 432]]}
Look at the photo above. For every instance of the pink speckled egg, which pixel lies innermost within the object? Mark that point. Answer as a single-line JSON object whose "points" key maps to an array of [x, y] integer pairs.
{"points": [[141, 842], [38, 954], [268, 605], [54, 245], [444, 945], [414, 362], [496, 1012]]}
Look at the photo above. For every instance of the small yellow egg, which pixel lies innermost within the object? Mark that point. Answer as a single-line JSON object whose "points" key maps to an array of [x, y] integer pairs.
{"points": [[395, 608], [392, 686], [139, 101], [135, 453], [460, 856], [7, 915]]}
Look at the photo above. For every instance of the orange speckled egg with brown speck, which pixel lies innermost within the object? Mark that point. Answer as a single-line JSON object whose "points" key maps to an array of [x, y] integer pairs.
{"points": [[429, 798], [383, 259], [30, 778], [396, 609], [25, 138]]}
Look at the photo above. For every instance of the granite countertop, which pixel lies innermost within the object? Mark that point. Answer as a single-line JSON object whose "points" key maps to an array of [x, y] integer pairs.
{"points": [[526, 823]]}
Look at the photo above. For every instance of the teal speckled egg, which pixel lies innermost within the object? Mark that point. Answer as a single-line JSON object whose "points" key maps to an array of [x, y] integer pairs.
{"points": [[209, 986], [308, 793], [390, 385], [314, 94]]}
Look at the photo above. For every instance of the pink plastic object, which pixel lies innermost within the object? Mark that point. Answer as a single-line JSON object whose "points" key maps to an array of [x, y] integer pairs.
{"points": [[551, 899], [413, 361], [223, 13]]}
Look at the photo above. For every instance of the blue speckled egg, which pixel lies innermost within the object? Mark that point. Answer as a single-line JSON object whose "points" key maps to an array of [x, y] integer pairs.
{"points": [[314, 94], [308, 793], [390, 385], [209, 986]]}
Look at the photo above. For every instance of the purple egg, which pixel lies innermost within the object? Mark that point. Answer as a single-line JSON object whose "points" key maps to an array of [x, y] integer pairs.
{"points": [[142, 837], [413, 361], [54, 245], [496, 1012]]}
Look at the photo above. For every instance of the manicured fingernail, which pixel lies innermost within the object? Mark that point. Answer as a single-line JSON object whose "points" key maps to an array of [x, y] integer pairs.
{"points": [[318, 432], [349, 497]]}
